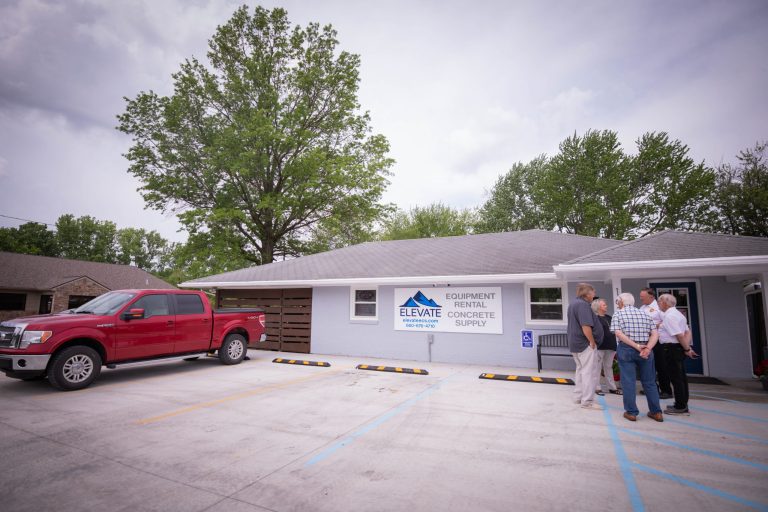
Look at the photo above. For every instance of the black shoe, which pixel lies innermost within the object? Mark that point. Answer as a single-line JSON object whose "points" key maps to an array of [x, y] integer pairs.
{"points": [[675, 410], [599, 393], [665, 396]]}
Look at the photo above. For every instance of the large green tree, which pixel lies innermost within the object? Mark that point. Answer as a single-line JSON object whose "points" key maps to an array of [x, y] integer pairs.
{"points": [[265, 142], [592, 187], [741, 202], [141, 248], [432, 221], [85, 238], [510, 206], [29, 238]]}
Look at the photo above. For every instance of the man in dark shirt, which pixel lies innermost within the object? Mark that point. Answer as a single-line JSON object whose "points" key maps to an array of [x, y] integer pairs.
{"points": [[585, 333]]}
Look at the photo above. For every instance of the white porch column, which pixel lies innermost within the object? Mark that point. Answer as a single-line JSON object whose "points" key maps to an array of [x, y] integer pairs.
{"points": [[615, 290]]}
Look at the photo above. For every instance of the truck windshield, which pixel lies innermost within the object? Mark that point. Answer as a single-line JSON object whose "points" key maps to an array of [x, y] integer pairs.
{"points": [[106, 304]]}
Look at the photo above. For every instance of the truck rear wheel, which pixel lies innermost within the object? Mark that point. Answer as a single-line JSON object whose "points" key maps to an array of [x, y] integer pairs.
{"points": [[74, 368], [233, 350]]}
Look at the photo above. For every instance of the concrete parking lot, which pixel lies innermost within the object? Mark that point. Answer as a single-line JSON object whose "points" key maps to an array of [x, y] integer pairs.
{"points": [[194, 436]]}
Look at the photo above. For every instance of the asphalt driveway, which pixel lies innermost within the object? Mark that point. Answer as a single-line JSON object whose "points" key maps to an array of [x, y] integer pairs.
{"points": [[194, 436]]}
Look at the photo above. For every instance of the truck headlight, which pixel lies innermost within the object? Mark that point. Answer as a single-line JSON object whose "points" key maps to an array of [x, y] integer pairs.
{"points": [[29, 337]]}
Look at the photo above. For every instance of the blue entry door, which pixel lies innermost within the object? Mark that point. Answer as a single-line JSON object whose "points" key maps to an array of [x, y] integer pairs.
{"points": [[687, 304]]}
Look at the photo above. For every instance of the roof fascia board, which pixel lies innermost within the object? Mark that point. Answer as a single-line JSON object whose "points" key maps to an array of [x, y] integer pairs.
{"points": [[383, 281], [731, 261]]}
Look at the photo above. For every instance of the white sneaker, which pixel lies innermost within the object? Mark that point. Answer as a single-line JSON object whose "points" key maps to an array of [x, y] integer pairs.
{"points": [[593, 406]]}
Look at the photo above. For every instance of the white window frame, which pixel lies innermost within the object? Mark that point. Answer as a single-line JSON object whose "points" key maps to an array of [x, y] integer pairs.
{"points": [[352, 290], [564, 293]]}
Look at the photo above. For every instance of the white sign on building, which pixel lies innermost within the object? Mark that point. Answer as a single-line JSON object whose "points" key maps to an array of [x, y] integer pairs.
{"points": [[471, 310]]}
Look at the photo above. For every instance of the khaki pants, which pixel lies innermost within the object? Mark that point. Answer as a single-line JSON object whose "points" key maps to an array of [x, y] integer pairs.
{"points": [[587, 368], [605, 364]]}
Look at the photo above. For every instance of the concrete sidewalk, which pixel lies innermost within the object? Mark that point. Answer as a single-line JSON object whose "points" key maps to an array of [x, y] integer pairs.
{"points": [[195, 436]]}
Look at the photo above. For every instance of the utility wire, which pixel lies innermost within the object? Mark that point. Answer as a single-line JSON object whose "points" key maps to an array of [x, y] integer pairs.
{"points": [[27, 220]]}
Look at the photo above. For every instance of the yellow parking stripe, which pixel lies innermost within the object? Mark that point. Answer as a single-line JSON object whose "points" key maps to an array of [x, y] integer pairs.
{"points": [[238, 396]]}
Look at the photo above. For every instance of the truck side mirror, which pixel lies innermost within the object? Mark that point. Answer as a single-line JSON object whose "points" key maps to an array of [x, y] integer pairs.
{"points": [[133, 314]]}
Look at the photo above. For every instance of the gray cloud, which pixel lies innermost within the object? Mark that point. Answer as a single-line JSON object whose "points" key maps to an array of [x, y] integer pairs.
{"points": [[461, 89]]}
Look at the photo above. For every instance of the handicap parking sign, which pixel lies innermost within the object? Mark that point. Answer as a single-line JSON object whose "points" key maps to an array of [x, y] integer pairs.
{"points": [[526, 338]]}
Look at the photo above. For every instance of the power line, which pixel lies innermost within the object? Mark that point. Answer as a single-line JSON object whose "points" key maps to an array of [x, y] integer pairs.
{"points": [[27, 220]]}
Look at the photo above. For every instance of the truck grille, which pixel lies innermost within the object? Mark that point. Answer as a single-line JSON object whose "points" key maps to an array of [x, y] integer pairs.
{"points": [[9, 336]]}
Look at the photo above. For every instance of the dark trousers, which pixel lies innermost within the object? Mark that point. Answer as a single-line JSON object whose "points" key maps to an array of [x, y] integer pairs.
{"points": [[662, 375], [674, 359]]}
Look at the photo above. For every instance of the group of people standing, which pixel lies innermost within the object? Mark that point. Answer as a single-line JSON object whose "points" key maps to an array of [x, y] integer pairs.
{"points": [[652, 339]]}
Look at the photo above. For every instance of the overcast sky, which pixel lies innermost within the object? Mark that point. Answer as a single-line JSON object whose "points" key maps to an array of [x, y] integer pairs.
{"points": [[462, 89]]}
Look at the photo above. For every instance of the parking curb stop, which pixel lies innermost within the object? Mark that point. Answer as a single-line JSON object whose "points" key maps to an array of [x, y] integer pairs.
{"points": [[394, 369], [526, 378], [301, 362]]}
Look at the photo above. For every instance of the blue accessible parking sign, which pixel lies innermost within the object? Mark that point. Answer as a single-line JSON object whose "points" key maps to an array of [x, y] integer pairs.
{"points": [[526, 338]]}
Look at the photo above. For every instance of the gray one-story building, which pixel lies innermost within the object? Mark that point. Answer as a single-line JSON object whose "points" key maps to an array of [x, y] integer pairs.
{"points": [[485, 299]]}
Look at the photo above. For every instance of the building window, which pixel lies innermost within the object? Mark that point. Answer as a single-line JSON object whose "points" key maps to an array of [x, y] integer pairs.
{"points": [[13, 301], [46, 301], [75, 301], [545, 304], [363, 303]]}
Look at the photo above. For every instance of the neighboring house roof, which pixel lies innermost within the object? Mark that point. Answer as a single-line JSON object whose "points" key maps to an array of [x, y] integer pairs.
{"points": [[473, 257], [42, 273]]}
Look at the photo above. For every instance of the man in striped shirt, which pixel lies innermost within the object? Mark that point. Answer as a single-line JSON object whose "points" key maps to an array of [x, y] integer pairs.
{"points": [[637, 335]]}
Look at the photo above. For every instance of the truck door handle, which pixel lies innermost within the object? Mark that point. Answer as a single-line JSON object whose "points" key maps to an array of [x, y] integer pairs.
{"points": [[205, 320], [170, 323]]}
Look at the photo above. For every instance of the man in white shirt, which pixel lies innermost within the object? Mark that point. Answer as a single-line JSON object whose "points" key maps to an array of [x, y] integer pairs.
{"points": [[651, 308], [676, 346]]}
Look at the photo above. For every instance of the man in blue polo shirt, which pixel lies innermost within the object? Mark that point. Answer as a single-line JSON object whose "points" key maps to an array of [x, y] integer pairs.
{"points": [[637, 335], [585, 333]]}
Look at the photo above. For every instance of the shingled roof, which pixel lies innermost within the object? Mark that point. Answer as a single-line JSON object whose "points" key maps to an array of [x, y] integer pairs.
{"points": [[28, 272], [520, 252], [678, 245]]}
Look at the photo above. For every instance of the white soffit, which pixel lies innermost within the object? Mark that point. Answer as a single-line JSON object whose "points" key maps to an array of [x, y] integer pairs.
{"points": [[661, 268]]}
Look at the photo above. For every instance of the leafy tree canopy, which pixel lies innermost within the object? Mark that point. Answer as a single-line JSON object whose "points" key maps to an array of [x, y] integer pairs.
{"points": [[592, 187], [88, 239], [435, 220], [29, 238], [741, 201], [264, 143]]}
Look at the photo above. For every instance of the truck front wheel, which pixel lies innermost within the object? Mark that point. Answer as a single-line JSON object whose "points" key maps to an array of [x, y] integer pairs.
{"points": [[74, 368], [233, 350]]}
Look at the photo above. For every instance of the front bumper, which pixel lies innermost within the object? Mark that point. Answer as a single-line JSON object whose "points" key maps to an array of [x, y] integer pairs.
{"points": [[23, 362]]}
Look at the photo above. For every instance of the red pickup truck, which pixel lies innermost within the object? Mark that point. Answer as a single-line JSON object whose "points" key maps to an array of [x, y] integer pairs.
{"points": [[124, 326]]}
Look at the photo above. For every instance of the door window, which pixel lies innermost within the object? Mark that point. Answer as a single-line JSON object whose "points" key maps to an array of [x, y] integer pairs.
{"points": [[153, 305]]}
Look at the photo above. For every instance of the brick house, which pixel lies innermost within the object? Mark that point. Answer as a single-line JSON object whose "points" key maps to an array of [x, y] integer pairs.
{"points": [[32, 285]]}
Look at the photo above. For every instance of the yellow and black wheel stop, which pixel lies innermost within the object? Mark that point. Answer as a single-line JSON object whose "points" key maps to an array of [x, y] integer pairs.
{"points": [[526, 378], [394, 369], [301, 362]]}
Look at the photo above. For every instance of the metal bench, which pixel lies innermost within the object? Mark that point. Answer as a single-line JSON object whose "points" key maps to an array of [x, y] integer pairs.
{"points": [[552, 341]]}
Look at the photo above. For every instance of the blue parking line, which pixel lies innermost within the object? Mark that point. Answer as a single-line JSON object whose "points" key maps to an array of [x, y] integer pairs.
{"points": [[717, 430], [734, 415], [710, 490], [625, 466], [373, 425], [740, 402], [763, 467], [760, 440]]}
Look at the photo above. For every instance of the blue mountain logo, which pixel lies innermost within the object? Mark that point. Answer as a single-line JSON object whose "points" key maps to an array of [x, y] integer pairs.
{"points": [[420, 300]]}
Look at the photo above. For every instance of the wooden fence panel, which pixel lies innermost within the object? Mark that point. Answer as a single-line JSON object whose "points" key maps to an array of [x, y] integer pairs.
{"points": [[288, 315]]}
